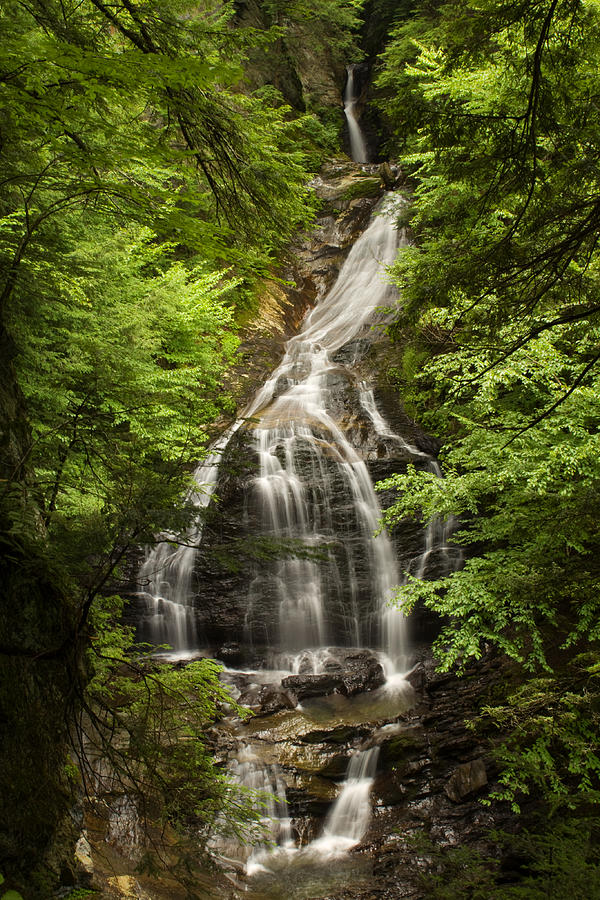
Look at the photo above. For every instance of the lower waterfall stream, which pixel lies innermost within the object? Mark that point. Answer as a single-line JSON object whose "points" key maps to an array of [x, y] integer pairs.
{"points": [[332, 652]]}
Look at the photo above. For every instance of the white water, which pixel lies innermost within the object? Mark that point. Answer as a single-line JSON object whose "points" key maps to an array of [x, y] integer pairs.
{"points": [[349, 817], [344, 828], [268, 785], [165, 577], [296, 421], [358, 147], [437, 539], [309, 468]]}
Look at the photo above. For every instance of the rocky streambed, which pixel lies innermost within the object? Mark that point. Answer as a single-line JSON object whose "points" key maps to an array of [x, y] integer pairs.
{"points": [[426, 784], [429, 774]]}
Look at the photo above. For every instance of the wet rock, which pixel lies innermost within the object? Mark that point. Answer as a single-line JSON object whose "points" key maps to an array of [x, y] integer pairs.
{"points": [[361, 672], [466, 779], [339, 734], [305, 807], [231, 654], [270, 698], [83, 855], [388, 176], [335, 766], [301, 761], [389, 789], [406, 748], [126, 887], [346, 672], [304, 686], [422, 674], [124, 829]]}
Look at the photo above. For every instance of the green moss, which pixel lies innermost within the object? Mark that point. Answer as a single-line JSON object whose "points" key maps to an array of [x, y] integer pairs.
{"points": [[399, 749], [80, 894], [363, 187]]}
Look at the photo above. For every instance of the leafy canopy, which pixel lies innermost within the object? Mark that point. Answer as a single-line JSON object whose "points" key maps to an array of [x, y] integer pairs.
{"points": [[143, 190], [142, 193], [500, 340]]}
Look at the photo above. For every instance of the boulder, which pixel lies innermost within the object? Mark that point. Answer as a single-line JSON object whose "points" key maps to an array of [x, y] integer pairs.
{"points": [[270, 698], [231, 654], [361, 672], [465, 780], [348, 672], [83, 855], [305, 686], [388, 176]]}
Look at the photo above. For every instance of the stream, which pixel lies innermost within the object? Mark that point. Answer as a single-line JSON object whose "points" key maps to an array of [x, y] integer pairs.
{"points": [[317, 651]]}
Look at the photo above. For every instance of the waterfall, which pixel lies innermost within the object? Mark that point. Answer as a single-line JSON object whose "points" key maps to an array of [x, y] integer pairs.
{"points": [[312, 427], [266, 783], [344, 828], [437, 539], [349, 817], [297, 432], [309, 469], [313, 488], [165, 577], [358, 146]]}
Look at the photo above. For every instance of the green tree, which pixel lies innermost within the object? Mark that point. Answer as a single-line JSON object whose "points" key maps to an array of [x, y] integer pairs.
{"points": [[141, 193], [499, 302], [144, 735]]}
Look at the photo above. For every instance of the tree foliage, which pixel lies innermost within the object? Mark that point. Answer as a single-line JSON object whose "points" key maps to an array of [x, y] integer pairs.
{"points": [[143, 735], [135, 175], [143, 189], [558, 859], [499, 333]]}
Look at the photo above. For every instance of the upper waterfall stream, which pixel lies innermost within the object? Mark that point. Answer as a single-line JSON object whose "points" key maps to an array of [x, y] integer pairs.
{"points": [[358, 145]]}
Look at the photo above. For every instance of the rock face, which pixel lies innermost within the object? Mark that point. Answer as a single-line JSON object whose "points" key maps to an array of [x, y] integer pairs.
{"points": [[304, 67], [466, 779], [41, 669]]}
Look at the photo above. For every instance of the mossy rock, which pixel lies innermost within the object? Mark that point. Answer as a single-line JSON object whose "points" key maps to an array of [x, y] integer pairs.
{"points": [[363, 187], [320, 789], [402, 748]]}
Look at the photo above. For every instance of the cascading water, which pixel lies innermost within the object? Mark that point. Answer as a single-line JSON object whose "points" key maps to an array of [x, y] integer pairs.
{"points": [[313, 488], [437, 539], [309, 469], [344, 827], [358, 146], [267, 783], [349, 817], [165, 577]]}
